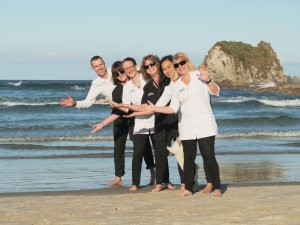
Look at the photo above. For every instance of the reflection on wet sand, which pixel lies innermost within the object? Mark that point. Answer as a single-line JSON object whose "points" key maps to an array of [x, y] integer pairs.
{"points": [[251, 172]]}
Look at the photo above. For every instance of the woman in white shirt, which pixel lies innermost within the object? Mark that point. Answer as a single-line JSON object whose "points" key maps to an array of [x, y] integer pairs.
{"points": [[197, 123], [143, 125]]}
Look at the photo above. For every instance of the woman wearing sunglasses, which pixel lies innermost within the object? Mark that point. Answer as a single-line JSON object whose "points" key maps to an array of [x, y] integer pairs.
{"points": [[121, 126], [152, 92], [197, 124]]}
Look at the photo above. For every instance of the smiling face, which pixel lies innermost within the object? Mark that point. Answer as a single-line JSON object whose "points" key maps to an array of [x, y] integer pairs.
{"points": [[99, 67], [130, 68], [122, 77], [167, 68], [181, 66], [150, 67]]}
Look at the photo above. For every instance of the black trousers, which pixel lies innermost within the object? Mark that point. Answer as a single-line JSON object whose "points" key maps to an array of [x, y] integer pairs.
{"points": [[207, 150], [121, 132], [161, 157], [140, 150]]}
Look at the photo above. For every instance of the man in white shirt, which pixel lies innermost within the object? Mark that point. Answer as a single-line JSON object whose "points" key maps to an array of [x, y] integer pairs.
{"points": [[102, 85]]}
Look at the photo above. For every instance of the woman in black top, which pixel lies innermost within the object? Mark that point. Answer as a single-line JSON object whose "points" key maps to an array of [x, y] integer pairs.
{"points": [[152, 92]]}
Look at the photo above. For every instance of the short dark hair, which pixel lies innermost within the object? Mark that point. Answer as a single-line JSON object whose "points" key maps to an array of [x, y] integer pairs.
{"points": [[115, 68], [96, 57], [130, 60]]}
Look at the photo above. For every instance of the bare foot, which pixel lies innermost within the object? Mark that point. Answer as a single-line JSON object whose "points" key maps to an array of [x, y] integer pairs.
{"points": [[208, 188], [133, 188], [217, 193], [115, 182], [186, 193], [157, 188], [171, 186], [182, 188]]}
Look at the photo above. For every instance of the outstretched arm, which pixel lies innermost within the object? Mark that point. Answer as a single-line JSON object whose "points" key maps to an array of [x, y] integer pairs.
{"points": [[158, 109], [108, 120]]}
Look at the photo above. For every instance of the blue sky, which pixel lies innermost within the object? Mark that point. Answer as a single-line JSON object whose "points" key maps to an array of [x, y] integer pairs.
{"points": [[55, 39]]}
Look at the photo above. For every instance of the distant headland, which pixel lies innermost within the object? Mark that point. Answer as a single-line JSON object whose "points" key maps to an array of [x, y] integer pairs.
{"points": [[236, 65]]}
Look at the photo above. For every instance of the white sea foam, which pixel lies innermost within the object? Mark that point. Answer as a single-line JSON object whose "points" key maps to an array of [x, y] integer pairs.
{"points": [[267, 85], [56, 138], [110, 138], [238, 99], [260, 134], [281, 103], [8, 103], [77, 88], [271, 102], [16, 84]]}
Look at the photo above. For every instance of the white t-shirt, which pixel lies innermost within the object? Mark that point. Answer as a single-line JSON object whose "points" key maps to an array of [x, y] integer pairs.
{"points": [[195, 115], [133, 95], [99, 86]]}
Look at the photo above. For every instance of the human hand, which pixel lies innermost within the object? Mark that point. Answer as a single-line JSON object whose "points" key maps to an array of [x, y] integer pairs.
{"points": [[203, 73], [96, 128], [149, 108], [130, 115], [67, 102]]}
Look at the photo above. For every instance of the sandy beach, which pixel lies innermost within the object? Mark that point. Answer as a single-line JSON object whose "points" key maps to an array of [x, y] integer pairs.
{"points": [[242, 204]]}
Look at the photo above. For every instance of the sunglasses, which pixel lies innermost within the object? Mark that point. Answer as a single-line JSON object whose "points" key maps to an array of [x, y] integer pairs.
{"points": [[119, 72], [181, 63], [149, 65]]}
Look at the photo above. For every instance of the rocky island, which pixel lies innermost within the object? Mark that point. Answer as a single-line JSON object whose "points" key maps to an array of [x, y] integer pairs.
{"points": [[237, 65]]}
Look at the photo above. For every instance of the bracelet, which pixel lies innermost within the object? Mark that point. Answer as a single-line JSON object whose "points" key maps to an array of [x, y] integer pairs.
{"points": [[74, 103], [208, 81]]}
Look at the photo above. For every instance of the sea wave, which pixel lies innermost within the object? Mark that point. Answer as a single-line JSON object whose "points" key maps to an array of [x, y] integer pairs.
{"points": [[260, 134], [269, 84], [11, 104], [278, 120], [110, 138], [281, 103], [55, 138], [77, 88], [17, 84], [269, 102]]}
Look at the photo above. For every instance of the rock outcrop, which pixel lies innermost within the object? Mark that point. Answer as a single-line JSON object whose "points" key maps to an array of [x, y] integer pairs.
{"points": [[240, 65]]}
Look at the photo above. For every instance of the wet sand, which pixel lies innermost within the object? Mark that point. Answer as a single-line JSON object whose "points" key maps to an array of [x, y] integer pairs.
{"points": [[274, 203]]}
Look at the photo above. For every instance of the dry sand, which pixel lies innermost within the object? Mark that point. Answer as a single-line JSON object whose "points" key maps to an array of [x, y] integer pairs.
{"points": [[261, 204]]}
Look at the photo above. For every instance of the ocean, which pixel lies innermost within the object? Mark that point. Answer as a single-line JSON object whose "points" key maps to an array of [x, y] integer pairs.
{"points": [[45, 147]]}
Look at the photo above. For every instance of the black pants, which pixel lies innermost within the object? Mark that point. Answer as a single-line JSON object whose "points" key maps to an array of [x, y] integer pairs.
{"points": [[141, 148], [121, 132], [207, 149], [161, 157]]}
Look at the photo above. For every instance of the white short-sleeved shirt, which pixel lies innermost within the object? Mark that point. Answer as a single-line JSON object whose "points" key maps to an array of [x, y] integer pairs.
{"points": [[99, 86], [133, 95], [195, 115]]}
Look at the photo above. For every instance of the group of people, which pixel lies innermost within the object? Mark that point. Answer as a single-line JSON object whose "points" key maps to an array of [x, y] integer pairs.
{"points": [[164, 101]]}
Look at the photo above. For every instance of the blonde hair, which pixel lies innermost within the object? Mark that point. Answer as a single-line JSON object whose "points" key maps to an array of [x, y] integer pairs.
{"points": [[181, 55]]}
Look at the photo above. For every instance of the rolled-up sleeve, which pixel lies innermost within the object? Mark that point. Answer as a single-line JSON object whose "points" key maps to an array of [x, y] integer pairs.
{"points": [[90, 98]]}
